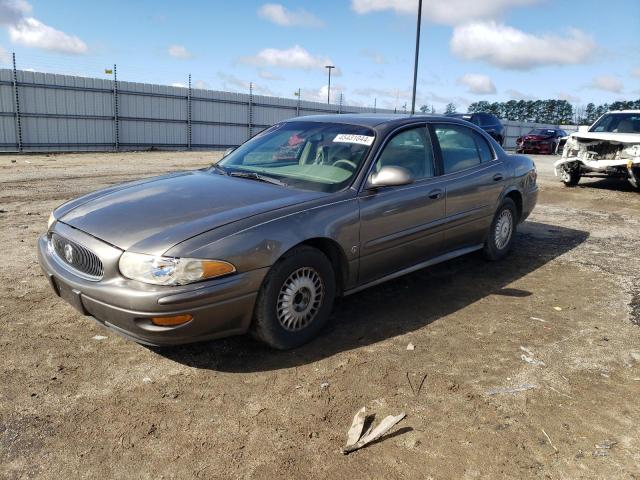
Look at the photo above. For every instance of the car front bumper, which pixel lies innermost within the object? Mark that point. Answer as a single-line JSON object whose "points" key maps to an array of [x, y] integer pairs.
{"points": [[220, 308]]}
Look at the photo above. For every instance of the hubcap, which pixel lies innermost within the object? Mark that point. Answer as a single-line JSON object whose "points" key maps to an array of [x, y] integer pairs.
{"points": [[300, 299], [504, 229], [565, 176]]}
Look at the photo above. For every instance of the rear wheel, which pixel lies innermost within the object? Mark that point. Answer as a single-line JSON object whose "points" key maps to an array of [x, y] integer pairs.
{"points": [[502, 232], [569, 176], [295, 300]]}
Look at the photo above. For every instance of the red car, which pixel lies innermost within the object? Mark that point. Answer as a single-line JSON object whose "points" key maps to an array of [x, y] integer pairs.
{"points": [[540, 140]]}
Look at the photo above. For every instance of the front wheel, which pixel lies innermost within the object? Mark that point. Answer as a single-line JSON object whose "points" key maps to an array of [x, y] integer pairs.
{"points": [[295, 300], [569, 176], [502, 232]]}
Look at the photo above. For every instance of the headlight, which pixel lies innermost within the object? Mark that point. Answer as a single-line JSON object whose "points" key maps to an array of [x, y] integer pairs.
{"points": [[51, 221], [171, 271]]}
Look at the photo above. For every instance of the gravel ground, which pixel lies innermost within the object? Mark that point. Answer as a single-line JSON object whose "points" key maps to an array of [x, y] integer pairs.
{"points": [[76, 405]]}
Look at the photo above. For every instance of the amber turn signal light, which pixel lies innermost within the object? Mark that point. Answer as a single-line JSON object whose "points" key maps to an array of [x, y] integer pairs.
{"points": [[171, 321]]}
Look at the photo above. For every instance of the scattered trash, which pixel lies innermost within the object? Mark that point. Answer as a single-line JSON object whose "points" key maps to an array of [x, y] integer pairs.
{"points": [[558, 309], [416, 392], [526, 350], [520, 388], [147, 380], [99, 337], [357, 440], [550, 442], [538, 319], [532, 361], [324, 385], [411, 346], [27, 161], [635, 356], [600, 453], [606, 444]]}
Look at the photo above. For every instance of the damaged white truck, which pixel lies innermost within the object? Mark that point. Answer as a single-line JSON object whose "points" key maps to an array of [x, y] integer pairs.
{"points": [[610, 147]]}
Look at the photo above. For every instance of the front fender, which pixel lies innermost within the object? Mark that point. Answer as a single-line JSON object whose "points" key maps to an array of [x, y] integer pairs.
{"points": [[259, 242]]}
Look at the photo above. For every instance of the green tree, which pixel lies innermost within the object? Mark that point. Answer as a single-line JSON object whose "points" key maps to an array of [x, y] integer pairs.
{"points": [[451, 108]]}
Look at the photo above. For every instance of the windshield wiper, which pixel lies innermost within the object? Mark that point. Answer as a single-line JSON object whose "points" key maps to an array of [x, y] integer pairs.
{"points": [[258, 177]]}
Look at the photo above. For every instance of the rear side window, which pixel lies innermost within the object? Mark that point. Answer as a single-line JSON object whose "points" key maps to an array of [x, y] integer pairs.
{"points": [[484, 150], [461, 148]]}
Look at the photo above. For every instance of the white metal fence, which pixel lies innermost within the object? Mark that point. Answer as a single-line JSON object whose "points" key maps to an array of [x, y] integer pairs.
{"points": [[52, 112]]}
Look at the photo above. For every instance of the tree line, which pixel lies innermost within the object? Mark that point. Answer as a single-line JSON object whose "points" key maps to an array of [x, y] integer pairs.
{"points": [[556, 112]]}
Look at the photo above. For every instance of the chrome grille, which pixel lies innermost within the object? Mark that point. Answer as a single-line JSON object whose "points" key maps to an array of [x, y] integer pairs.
{"points": [[77, 257]]}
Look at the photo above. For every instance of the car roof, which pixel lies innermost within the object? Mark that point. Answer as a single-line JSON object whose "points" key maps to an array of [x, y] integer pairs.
{"points": [[623, 111], [373, 119]]}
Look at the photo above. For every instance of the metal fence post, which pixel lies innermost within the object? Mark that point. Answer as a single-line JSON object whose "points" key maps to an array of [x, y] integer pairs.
{"points": [[298, 104], [16, 104], [116, 123], [340, 104], [189, 115], [250, 113]]}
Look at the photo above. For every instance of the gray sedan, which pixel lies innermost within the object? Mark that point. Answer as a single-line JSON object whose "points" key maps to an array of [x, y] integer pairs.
{"points": [[264, 240]]}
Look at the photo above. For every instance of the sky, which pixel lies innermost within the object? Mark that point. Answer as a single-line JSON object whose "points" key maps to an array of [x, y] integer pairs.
{"points": [[471, 50]]}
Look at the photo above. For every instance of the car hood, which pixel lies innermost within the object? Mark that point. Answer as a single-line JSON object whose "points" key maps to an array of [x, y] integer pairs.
{"points": [[630, 138], [152, 216], [536, 138]]}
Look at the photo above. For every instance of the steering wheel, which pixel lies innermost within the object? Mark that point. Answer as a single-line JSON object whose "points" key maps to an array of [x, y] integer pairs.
{"points": [[350, 165]]}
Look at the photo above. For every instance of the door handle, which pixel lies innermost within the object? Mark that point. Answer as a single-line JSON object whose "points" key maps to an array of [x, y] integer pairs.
{"points": [[434, 194], [497, 177]]}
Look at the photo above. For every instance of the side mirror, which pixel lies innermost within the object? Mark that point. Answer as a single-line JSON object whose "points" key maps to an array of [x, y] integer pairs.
{"points": [[390, 177], [228, 151]]}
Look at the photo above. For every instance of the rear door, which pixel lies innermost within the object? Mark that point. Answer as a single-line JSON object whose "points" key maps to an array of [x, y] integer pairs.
{"points": [[473, 178], [402, 225]]}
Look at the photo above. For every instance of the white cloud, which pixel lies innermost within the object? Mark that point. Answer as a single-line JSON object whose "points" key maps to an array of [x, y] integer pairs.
{"points": [[178, 51], [278, 14], [267, 75], [518, 95], [294, 57], [179, 85], [510, 48], [568, 97], [449, 12], [608, 83], [31, 32], [4, 56], [477, 83], [233, 83], [12, 11], [635, 72], [376, 57], [320, 94]]}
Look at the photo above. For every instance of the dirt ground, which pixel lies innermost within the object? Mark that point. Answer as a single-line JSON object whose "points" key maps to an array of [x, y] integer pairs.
{"points": [[73, 405]]}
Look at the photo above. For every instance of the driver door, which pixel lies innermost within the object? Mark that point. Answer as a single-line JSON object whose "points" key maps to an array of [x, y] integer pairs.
{"points": [[402, 225]]}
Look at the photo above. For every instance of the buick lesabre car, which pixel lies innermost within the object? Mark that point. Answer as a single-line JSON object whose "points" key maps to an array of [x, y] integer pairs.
{"points": [[609, 148], [264, 240]]}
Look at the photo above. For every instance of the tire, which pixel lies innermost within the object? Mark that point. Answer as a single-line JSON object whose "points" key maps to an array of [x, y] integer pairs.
{"points": [[502, 231], [570, 177], [284, 321]]}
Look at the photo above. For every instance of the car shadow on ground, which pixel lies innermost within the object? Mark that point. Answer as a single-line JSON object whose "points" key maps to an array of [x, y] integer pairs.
{"points": [[394, 308], [606, 183]]}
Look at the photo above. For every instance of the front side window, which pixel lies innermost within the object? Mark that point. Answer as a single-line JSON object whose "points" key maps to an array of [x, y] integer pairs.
{"points": [[411, 150], [461, 148], [307, 155]]}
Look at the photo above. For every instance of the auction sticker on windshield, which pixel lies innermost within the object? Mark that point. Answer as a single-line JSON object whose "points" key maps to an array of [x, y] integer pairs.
{"points": [[350, 138]]}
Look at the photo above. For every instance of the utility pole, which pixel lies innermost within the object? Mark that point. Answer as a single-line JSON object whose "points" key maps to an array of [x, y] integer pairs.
{"points": [[329, 67], [415, 65], [297, 94]]}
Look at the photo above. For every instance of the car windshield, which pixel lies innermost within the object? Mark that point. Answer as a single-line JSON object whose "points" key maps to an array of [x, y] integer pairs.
{"points": [[308, 155], [542, 131], [618, 123]]}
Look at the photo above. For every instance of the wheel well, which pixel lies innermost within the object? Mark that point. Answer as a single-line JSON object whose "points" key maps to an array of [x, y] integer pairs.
{"points": [[336, 256], [516, 196]]}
